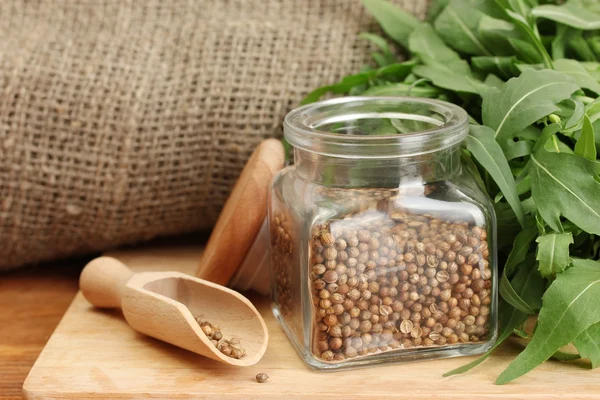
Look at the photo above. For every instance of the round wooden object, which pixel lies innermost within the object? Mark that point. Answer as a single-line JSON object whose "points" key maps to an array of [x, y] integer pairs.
{"points": [[243, 214]]}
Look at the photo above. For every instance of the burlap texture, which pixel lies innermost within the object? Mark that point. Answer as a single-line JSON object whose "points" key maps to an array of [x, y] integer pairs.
{"points": [[121, 120]]}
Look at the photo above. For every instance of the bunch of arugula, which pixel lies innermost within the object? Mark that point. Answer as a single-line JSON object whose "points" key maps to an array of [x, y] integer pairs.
{"points": [[529, 77]]}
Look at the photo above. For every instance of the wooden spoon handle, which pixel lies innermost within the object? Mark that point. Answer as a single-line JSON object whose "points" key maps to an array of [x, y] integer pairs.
{"points": [[102, 281]]}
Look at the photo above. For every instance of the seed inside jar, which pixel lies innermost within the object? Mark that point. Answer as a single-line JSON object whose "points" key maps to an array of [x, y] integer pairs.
{"points": [[409, 280]]}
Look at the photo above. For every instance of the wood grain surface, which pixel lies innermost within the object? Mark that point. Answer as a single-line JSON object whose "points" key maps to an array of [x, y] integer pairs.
{"points": [[32, 302], [96, 355]]}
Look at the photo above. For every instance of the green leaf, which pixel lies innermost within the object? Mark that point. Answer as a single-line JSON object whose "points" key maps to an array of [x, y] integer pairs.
{"points": [[520, 248], [402, 89], [592, 110], [377, 41], [588, 344], [442, 66], [521, 333], [431, 49], [594, 43], [435, 8], [570, 14], [586, 144], [553, 253], [510, 295], [557, 146], [458, 25], [562, 356], [581, 76], [529, 30], [529, 285], [548, 132], [396, 71], [569, 308], [563, 36], [524, 100], [541, 225], [488, 153], [564, 184], [493, 81], [525, 51], [593, 68], [530, 133], [522, 7], [501, 66], [387, 56], [517, 149], [443, 78], [489, 7], [573, 109], [397, 23], [581, 47]]}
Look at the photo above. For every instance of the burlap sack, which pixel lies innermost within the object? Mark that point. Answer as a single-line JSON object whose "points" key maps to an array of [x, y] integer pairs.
{"points": [[121, 120]]}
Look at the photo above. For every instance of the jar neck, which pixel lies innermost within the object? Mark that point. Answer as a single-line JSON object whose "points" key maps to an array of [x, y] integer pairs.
{"points": [[379, 172]]}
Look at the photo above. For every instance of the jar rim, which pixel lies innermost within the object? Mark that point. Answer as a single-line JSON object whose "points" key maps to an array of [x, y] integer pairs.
{"points": [[301, 127]]}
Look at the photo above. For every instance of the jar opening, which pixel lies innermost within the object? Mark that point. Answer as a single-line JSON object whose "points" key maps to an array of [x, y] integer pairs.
{"points": [[376, 127]]}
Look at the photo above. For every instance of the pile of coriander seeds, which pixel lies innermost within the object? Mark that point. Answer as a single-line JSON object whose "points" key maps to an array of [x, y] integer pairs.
{"points": [[383, 281], [228, 347]]}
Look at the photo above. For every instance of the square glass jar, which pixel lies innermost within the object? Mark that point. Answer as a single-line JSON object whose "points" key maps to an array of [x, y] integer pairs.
{"points": [[382, 243]]}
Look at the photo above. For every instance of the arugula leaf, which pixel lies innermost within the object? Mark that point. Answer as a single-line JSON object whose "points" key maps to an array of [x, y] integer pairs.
{"points": [[442, 66], [594, 43], [538, 160], [435, 8], [524, 100], [501, 66], [526, 51], [573, 109], [548, 132], [568, 309], [510, 295], [564, 34], [588, 344], [586, 144], [592, 110], [593, 67], [570, 14], [520, 247], [397, 71], [562, 356], [529, 285], [431, 49], [441, 77], [493, 81], [581, 76], [557, 146], [397, 23], [553, 253], [458, 25], [517, 149], [387, 56], [530, 31], [581, 47], [488, 153], [402, 89], [564, 184], [495, 33]]}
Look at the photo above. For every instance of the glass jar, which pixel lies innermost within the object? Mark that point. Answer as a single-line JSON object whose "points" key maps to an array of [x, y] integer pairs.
{"points": [[383, 246]]}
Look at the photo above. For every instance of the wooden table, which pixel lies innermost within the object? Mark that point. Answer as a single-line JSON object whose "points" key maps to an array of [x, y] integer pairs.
{"points": [[32, 302]]}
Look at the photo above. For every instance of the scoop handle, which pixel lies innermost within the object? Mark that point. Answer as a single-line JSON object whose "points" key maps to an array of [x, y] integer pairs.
{"points": [[102, 281]]}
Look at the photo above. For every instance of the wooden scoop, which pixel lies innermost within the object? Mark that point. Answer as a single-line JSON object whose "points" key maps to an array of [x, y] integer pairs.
{"points": [[164, 305]]}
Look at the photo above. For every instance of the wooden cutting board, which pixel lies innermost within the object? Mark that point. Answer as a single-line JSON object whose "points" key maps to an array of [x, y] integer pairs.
{"points": [[95, 355]]}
